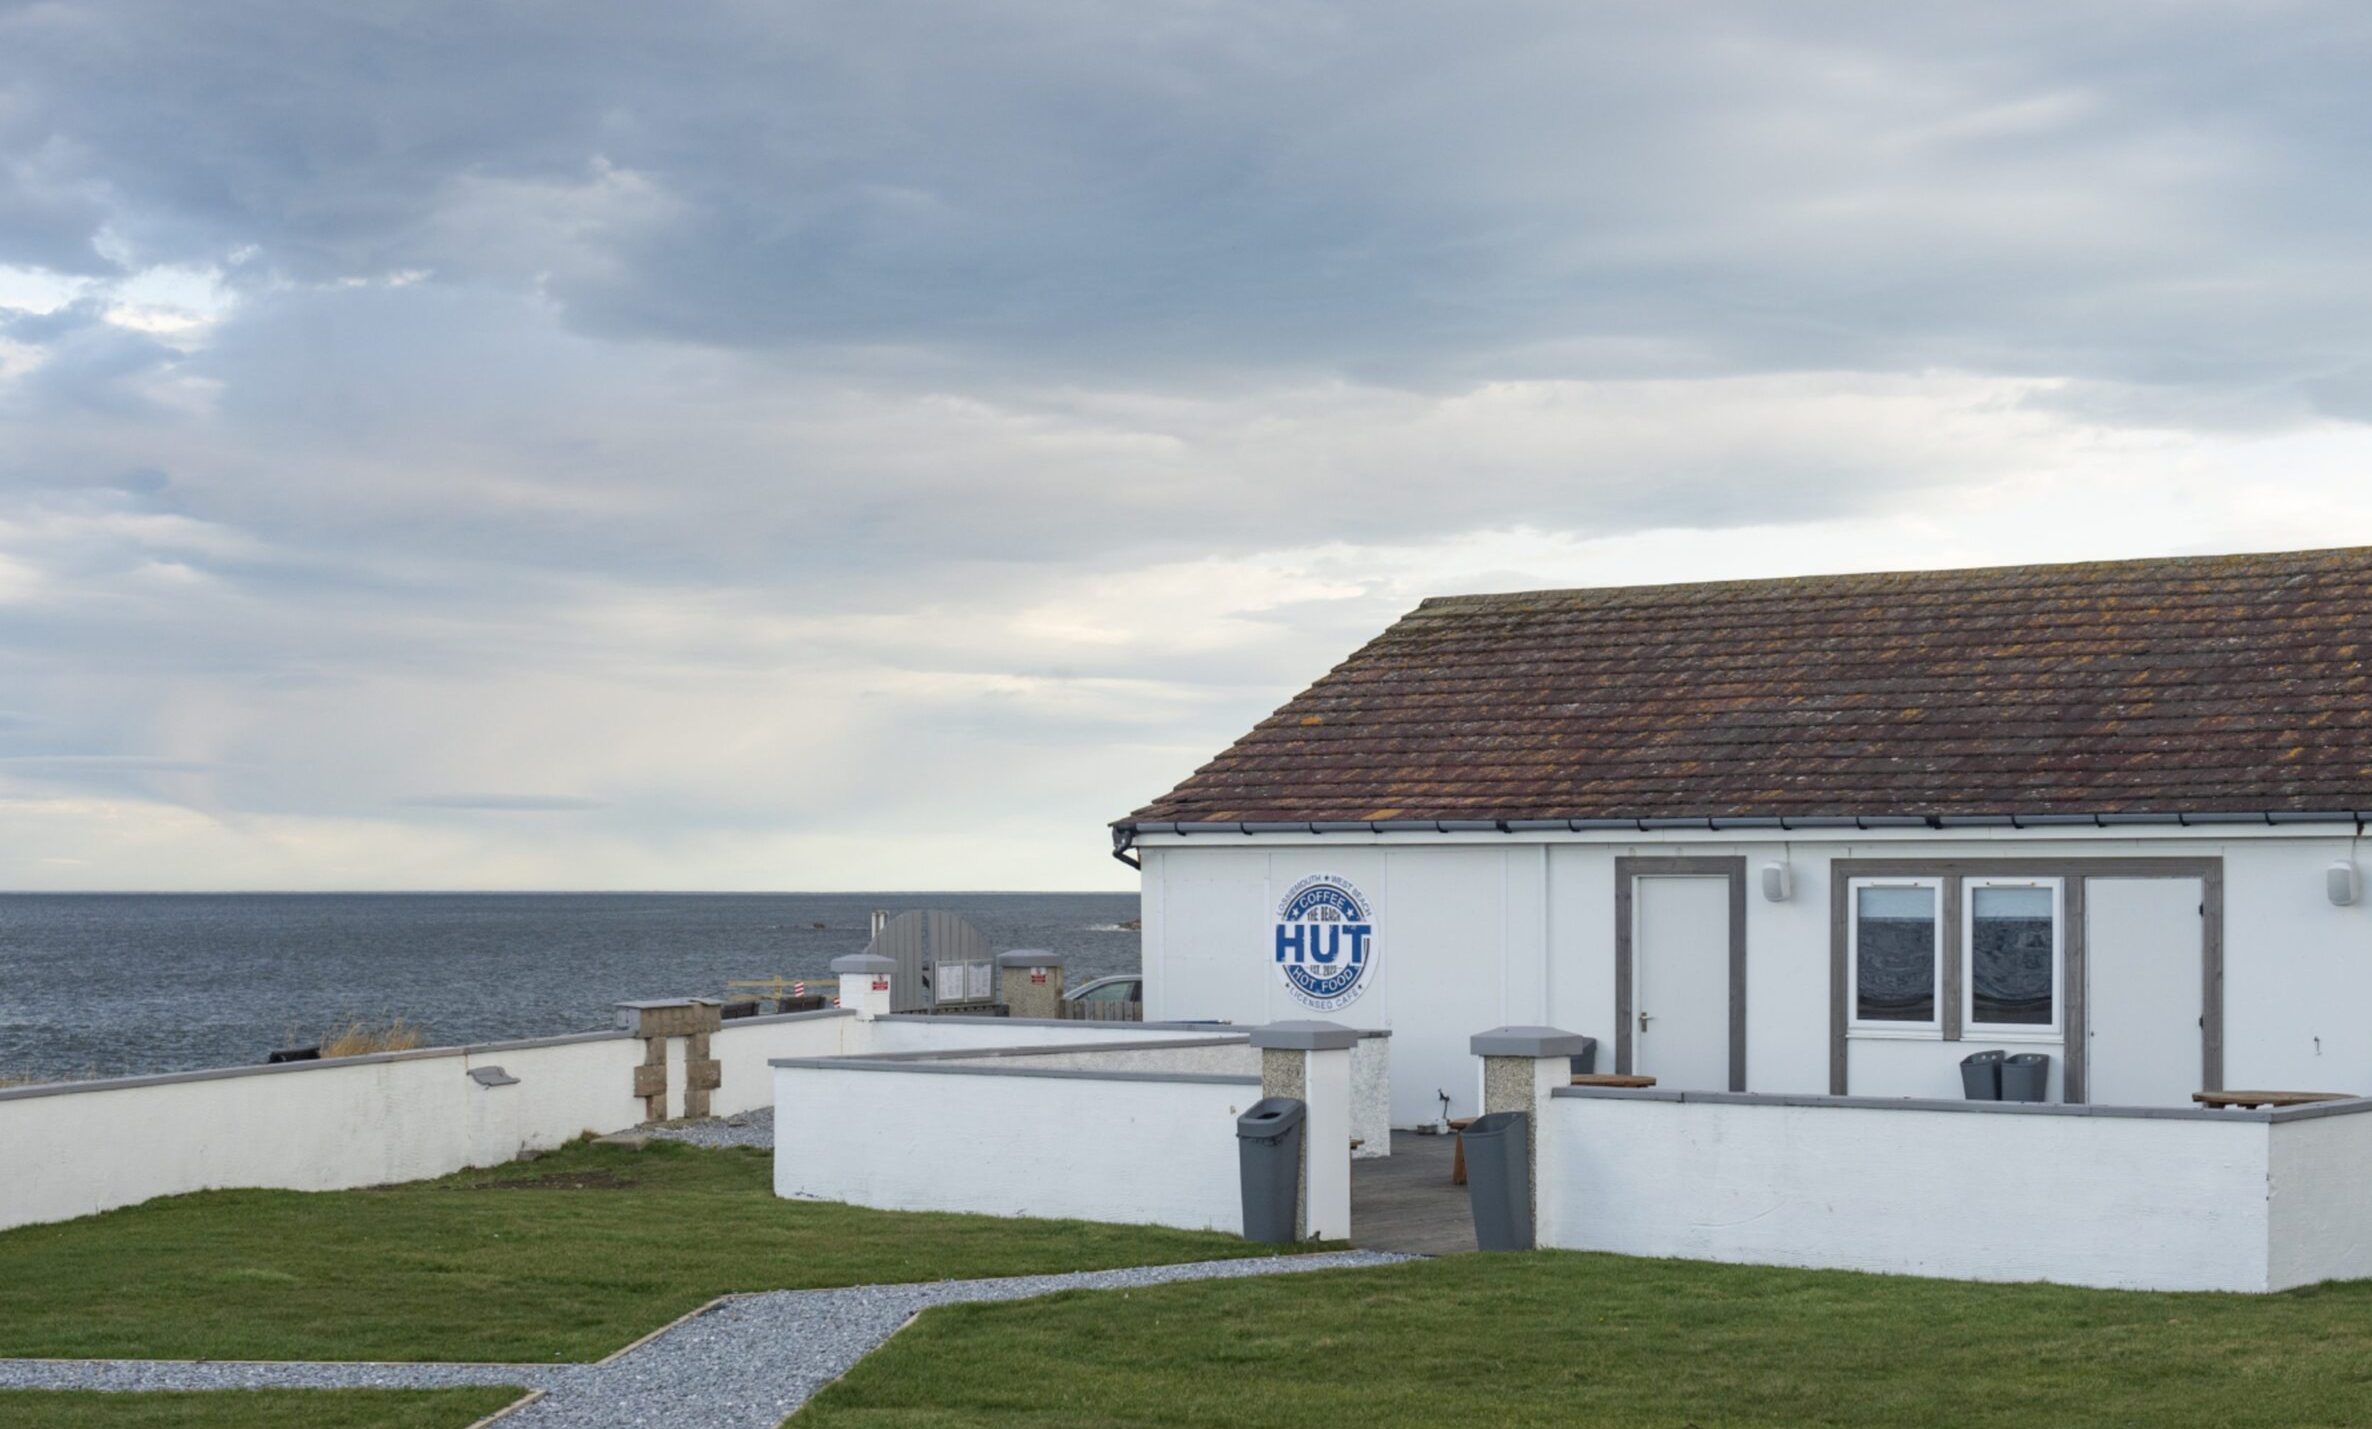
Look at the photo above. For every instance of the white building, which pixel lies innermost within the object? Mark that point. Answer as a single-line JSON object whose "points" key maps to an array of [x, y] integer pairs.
{"points": [[1820, 836]]}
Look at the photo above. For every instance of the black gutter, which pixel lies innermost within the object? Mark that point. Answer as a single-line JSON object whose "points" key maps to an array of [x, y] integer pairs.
{"points": [[1124, 836]]}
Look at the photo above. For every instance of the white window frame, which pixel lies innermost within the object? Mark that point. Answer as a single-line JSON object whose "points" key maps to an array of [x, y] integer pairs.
{"points": [[1928, 1031], [1971, 1030]]}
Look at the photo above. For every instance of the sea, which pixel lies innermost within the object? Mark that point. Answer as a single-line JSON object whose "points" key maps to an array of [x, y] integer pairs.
{"points": [[101, 985]]}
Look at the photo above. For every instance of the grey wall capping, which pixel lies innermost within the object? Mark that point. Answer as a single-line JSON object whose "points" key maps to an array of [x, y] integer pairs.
{"points": [[863, 963], [771, 1018], [1305, 1036], [2307, 1112], [649, 1004], [1029, 958], [1070, 1022], [1052, 1049], [2315, 1111], [1529, 1042], [277, 1069], [882, 1064]]}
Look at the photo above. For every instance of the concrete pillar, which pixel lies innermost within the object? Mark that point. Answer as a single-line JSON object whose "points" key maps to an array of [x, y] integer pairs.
{"points": [[659, 1023], [1311, 1061], [1029, 983], [1520, 1067], [865, 983]]}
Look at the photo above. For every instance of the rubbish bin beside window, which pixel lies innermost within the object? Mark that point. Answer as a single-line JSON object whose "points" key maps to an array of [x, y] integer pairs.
{"points": [[2025, 1077], [1499, 1179], [1980, 1076], [1268, 1157]]}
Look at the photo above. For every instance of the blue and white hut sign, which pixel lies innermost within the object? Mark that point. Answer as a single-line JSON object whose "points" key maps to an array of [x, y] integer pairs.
{"points": [[1325, 942]]}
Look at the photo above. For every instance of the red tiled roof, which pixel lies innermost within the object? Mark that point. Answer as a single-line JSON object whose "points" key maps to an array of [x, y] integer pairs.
{"points": [[2190, 685]]}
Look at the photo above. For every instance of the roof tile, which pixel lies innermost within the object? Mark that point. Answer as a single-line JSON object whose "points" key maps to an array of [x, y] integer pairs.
{"points": [[2208, 684]]}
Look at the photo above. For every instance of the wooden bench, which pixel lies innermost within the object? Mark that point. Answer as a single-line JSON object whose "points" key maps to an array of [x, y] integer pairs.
{"points": [[1458, 1124], [2252, 1100]]}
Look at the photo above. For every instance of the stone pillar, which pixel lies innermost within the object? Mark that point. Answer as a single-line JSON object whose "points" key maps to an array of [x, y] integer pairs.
{"points": [[691, 1018], [1520, 1067], [1311, 1061], [865, 983], [1029, 983]]}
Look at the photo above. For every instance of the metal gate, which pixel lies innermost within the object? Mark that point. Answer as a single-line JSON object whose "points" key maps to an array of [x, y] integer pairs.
{"points": [[943, 962]]}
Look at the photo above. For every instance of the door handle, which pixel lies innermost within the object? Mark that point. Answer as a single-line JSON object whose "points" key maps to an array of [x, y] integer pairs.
{"points": [[1644, 1019]]}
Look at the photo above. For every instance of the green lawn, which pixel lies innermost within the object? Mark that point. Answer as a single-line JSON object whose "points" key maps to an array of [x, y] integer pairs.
{"points": [[252, 1409], [1559, 1339], [564, 1258]]}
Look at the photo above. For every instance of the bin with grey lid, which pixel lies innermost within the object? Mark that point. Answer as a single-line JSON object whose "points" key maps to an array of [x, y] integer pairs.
{"points": [[1499, 1179], [1980, 1076], [1585, 1061], [1268, 1158], [2025, 1077]]}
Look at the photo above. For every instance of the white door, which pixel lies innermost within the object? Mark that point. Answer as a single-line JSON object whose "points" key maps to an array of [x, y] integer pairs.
{"points": [[1680, 981], [2143, 941]]}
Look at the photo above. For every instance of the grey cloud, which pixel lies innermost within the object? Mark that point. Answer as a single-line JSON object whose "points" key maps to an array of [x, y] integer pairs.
{"points": [[505, 803], [1399, 190], [648, 388]]}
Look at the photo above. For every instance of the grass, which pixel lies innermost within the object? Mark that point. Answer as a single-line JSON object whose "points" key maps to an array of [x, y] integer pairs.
{"points": [[1560, 1339], [251, 1408], [564, 1258]]}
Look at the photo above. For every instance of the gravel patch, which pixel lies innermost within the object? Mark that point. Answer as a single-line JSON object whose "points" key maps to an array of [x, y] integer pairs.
{"points": [[271, 1374], [750, 1360], [751, 1128]]}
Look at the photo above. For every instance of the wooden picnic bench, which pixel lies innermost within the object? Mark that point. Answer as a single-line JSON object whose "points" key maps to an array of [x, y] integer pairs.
{"points": [[1610, 1079], [2251, 1100]]}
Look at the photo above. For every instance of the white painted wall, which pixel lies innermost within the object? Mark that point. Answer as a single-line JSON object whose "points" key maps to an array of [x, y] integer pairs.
{"points": [[2120, 1202], [1371, 1097], [2322, 1216], [744, 1046], [311, 1127], [1485, 929], [1235, 1057], [1137, 1149], [318, 1126], [920, 1032]]}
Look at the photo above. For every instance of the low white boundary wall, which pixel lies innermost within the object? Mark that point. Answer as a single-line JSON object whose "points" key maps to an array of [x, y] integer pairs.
{"points": [[1146, 1148], [76, 1148], [306, 1126], [2127, 1198]]}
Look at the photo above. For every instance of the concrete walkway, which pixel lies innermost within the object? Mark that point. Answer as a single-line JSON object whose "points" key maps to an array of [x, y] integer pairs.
{"points": [[747, 1360]]}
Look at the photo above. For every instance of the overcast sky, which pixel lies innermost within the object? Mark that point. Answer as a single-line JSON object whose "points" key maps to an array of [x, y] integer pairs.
{"points": [[738, 445]]}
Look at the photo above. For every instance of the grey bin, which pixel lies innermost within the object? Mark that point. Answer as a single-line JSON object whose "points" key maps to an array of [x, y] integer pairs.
{"points": [[1268, 1156], [1586, 1061], [1980, 1076], [2026, 1077], [1499, 1179]]}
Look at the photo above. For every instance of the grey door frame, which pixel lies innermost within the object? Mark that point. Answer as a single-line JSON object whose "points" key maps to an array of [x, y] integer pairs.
{"points": [[1629, 868], [2072, 872]]}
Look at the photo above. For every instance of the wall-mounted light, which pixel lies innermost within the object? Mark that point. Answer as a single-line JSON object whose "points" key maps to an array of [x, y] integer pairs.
{"points": [[2342, 883], [1778, 882]]}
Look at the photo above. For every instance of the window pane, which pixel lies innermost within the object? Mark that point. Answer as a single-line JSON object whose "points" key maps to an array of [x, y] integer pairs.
{"points": [[2011, 944], [1894, 951]]}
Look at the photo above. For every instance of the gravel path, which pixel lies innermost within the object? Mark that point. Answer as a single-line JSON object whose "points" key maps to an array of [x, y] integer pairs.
{"points": [[751, 1128], [749, 1361]]}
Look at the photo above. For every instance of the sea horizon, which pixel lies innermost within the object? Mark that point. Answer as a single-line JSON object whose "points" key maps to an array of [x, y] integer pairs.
{"points": [[98, 984]]}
